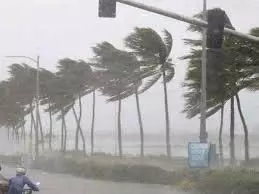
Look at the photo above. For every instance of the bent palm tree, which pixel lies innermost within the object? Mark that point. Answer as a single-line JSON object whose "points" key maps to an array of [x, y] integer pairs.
{"points": [[117, 74], [154, 52], [76, 76], [232, 76]]}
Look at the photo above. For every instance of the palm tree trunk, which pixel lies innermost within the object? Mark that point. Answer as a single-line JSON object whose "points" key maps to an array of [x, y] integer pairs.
{"points": [[24, 135], [168, 141], [36, 133], [22, 132], [50, 128], [16, 130], [79, 125], [93, 123], [140, 125], [65, 134], [119, 129], [79, 129], [13, 133], [244, 126], [32, 126], [30, 148], [41, 130], [33, 123], [8, 133], [221, 155], [232, 132], [62, 133]]}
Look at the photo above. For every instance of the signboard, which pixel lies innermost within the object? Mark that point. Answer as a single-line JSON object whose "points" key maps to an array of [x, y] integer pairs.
{"points": [[198, 155]]}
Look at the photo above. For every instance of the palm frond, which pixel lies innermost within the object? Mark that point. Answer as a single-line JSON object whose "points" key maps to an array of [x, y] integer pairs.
{"points": [[168, 42], [193, 42], [147, 44], [213, 110], [125, 94], [149, 83], [170, 71]]}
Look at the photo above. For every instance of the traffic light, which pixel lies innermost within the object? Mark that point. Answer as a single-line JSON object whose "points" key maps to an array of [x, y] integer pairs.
{"points": [[107, 8], [215, 30]]}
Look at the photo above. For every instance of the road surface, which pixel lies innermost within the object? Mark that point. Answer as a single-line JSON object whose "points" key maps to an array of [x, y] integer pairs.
{"points": [[66, 184]]}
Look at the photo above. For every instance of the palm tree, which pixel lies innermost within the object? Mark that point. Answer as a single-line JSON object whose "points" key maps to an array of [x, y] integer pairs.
{"points": [[233, 79], [233, 76], [74, 77], [22, 79], [252, 53], [93, 123], [46, 87], [60, 102], [220, 135], [116, 71], [12, 112], [154, 52]]}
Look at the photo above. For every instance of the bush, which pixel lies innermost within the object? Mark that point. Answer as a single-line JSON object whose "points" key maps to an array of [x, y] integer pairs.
{"points": [[225, 181], [114, 172], [229, 181]]}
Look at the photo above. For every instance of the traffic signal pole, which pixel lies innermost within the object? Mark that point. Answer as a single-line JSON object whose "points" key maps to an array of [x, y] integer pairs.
{"points": [[107, 8], [203, 107], [185, 19]]}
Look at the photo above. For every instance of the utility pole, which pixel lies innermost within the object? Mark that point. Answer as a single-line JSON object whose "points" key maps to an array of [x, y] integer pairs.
{"points": [[203, 132]]}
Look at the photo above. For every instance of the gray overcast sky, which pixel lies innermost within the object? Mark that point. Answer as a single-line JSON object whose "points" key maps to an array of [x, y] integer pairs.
{"points": [[69, 28]]}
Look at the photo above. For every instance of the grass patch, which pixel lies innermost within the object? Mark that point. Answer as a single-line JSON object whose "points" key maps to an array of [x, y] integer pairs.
{"points": [[111, 171], [224, 181], [227, 181]]}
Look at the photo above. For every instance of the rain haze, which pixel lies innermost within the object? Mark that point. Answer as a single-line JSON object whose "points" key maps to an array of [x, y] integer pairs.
{"points": [[134, 162], [56, 29]]}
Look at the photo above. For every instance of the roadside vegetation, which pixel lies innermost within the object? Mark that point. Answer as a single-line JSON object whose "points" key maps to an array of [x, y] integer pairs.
{"points": [[201, 181]]}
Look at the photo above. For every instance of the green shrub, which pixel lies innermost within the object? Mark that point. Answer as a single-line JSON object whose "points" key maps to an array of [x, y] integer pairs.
{"points": [[228, 180], [224, 181]]}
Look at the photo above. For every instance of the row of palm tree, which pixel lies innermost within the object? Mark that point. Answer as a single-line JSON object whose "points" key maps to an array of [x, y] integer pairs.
{"points": [[116, 74], [229, 71]]}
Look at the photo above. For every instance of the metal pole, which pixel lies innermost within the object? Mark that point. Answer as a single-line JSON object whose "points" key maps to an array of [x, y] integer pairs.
{"points": [[185, 18], [203, 133], [37, 109]]}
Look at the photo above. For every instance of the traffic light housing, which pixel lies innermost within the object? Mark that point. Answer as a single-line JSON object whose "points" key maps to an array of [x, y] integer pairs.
{"points": [[215, 30], [107, 8]]}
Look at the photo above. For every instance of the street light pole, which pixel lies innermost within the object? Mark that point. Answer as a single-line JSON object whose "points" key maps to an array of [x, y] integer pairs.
{"points": [[37, 61], [203, 132]]}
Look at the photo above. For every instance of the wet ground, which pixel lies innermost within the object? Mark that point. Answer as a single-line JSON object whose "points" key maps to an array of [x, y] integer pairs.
{"points": [[66, 184]]}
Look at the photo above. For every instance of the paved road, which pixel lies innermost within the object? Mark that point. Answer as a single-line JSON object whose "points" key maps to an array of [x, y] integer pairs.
{"points": [[65, 184]]}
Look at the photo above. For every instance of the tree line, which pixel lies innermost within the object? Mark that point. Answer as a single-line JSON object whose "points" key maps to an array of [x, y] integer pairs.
{"points": [[229, 71], [118, 74]]}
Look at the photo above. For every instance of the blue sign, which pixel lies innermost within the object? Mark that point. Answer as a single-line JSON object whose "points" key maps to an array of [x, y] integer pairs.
{"points": [[198, 155]]}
